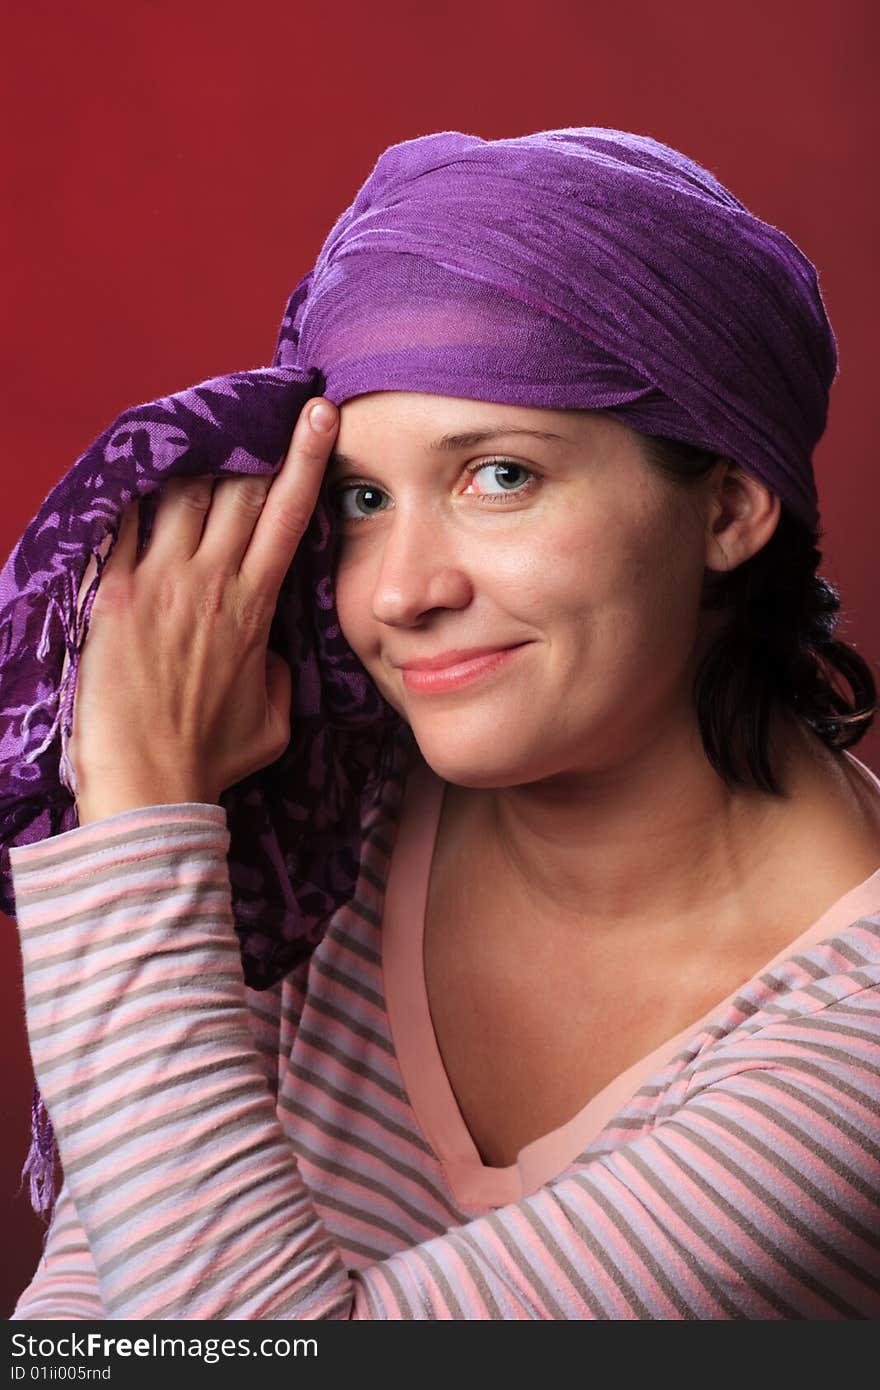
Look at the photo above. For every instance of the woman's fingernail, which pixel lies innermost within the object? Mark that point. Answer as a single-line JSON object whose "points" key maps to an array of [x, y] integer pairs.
{"points": [[322, 416]]}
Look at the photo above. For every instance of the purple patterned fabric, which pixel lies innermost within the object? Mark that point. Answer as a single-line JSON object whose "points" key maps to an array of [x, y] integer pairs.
{"points": [[295, 826], [580, 268]]}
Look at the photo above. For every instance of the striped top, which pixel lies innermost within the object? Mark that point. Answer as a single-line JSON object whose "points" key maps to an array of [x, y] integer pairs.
{"points": [[299, 1152]]}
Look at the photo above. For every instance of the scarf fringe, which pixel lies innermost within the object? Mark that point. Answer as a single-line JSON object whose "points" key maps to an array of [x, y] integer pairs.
{"points": [[40, 1162]]}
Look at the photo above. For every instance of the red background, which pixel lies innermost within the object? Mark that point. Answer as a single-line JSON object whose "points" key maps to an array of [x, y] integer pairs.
{"points": [[175, 167]]}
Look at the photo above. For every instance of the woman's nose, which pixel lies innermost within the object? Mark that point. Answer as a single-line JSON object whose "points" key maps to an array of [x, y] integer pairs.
{"points": [[419, 570]]}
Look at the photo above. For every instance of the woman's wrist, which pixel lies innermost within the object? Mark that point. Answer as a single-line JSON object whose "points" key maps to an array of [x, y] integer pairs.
{"points": [[112, 798]]}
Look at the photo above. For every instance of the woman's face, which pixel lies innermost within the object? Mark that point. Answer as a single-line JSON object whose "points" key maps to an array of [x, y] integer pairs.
{"points": [[570, 549]]}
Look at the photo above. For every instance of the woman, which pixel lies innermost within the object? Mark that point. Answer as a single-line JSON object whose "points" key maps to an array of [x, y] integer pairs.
{"points": [[596, 1035]]}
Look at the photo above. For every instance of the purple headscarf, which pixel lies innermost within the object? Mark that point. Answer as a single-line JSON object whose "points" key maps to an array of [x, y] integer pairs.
{"points": [[580, 268]]}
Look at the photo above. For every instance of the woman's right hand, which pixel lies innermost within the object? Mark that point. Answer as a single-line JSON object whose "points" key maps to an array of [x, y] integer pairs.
{"points": [[178, 695]]}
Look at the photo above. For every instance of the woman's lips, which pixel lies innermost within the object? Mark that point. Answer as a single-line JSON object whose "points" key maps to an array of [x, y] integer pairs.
{"points": [[462, 673]]}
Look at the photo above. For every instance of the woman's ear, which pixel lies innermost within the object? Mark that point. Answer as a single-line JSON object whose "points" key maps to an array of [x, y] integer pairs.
{"points": [[742, 515]]}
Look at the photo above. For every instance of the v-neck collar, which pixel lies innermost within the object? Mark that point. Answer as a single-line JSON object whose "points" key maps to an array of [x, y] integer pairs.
{"points": [[472, 1182]]}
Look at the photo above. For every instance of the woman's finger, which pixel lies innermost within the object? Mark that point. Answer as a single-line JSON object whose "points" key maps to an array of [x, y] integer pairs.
{"points": [[179, 520], [125, 548], [124, 556], [290, 503], [236, 508]]}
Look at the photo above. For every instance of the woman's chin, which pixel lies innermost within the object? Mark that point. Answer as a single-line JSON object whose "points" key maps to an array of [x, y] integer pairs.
{"points": [[474, 766]]}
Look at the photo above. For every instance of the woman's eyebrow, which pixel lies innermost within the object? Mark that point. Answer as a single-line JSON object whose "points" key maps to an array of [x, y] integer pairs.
{"points": [[450, 443]]}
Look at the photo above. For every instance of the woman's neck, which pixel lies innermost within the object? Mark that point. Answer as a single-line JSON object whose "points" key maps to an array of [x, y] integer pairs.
{"points": [[661, 838]]}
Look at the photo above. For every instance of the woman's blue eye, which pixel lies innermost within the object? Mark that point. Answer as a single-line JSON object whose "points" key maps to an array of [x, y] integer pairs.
{"points": [[365, 490], [503, 467]]}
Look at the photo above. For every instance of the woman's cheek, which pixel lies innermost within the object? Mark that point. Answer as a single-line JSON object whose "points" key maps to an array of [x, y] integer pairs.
{"points": [[534, 567], [580, 563]]}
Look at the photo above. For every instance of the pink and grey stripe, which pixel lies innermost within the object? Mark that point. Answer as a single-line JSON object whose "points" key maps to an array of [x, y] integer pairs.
{"points": [[297, 1153]]}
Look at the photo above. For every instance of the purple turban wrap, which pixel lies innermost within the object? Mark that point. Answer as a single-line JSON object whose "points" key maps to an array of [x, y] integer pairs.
{"points": [[581, 268]]}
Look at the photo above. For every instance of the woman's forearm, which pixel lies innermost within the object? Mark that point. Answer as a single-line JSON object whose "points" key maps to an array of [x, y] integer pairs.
{"points": [[142, 1049]]}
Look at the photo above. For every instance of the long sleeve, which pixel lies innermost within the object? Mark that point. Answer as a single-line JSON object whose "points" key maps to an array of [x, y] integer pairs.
{"points": [[753, 1196], [65, 1284]]}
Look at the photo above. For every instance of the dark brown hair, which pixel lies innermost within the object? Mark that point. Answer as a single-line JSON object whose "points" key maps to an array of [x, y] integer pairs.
{"points": [[778, 647]]}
